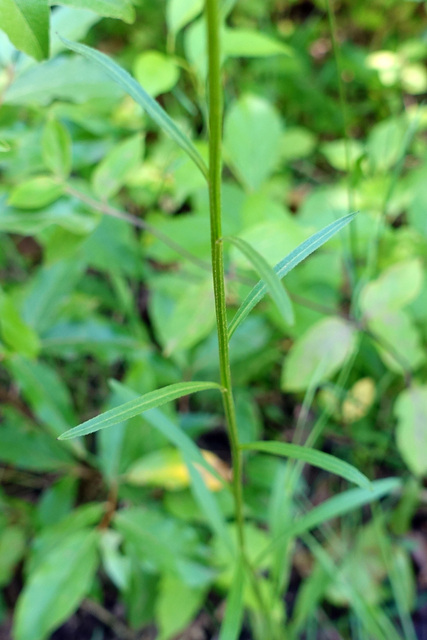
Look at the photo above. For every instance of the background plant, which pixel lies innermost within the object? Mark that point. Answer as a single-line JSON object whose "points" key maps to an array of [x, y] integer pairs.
{"points": [[75, 311]]}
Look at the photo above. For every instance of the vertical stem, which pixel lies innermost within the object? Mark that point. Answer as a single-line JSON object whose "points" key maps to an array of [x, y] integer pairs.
{"points": [[215, 170], [343, 108]]}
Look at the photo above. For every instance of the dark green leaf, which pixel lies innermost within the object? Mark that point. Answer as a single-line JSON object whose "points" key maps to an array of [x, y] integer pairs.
{"points": [[311, 456]]}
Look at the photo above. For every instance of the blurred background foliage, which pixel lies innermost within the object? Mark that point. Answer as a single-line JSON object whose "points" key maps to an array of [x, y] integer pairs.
{"points": [[324, 114]]}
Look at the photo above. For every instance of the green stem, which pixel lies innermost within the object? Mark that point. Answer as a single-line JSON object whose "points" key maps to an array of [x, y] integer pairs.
{"points": [[215, 172], [343, 108]]}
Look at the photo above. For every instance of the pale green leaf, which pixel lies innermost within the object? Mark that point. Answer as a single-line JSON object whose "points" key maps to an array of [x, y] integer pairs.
{"points": [[110, 175], [135, 407], [57, 585], [131, 86], [411, 432], [319, 353], [176, 605], [156, 72], [249, 43], [285, 266], [232, 624], [26, 22], [120, 9], [395, 288], [311, 456], [269, 276], [252, 138], [14, 332], [36, 193], [180, 12], [56, 148], [398, 340]]}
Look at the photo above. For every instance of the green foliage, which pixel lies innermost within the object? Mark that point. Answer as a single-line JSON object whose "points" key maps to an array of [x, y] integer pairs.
{"points": [[188, 514]]}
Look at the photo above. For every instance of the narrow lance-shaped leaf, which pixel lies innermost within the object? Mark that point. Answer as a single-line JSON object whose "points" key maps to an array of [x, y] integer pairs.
{"points": [[269, 276], [286, 265], [193, 459], [333, 508], [311, 456], [134, 89], [135, 407], [232, 624]]}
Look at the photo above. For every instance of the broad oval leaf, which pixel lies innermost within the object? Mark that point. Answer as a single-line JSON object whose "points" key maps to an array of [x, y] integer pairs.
{"points": [[56, 586], [26, 22], [411, 432], [134, 89], [252, 135], [230, 629], [134, 407], [286, 265], [269, 276], [36, 193], [318, 354], [311, 456]]}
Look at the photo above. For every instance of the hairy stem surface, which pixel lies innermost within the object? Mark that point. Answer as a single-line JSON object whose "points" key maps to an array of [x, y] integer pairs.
{"points": [[215, 101]]}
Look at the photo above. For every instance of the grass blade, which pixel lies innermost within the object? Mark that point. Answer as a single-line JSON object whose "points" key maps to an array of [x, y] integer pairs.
{"points": [[312, 456], [332, 508], [135, 407], [269, 277], [134, 89], [286, 265], [230, 629]]}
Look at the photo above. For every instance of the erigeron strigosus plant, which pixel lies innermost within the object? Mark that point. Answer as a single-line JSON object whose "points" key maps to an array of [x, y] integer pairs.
{"points": [[250, 589]]}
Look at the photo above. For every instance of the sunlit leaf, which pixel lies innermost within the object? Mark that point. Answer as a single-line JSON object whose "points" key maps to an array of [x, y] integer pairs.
{"points": [[26, 23]]}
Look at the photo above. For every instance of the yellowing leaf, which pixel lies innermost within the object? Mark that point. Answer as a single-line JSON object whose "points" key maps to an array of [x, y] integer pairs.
{"points": [[359, 400], [166, 468], [356, 403]]}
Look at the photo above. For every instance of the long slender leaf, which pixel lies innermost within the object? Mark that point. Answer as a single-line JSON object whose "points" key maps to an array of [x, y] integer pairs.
{"points": [[134, 89], [316, 458], [269, 277], [134, 407], [193, 459], [286, 265], [232, 624], [334, 507]]}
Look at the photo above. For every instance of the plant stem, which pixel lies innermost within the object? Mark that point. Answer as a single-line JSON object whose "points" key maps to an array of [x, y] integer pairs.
{"points": [[215, 171]]}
